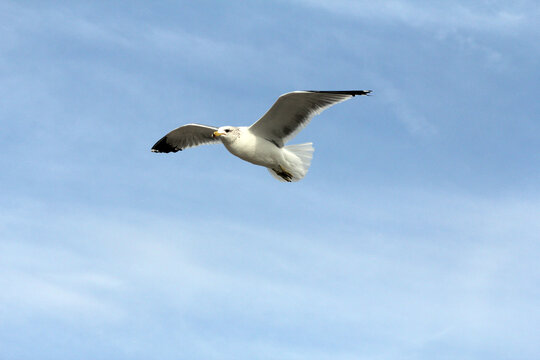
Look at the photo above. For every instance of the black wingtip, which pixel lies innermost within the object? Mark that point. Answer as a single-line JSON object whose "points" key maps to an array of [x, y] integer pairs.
{"points": [[361, 92], [162, 146], [366, 92], [346, 92]]}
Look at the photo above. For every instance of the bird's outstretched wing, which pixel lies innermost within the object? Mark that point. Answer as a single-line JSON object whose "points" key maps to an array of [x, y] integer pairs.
{"points": [[184, 137], [292, 111]]}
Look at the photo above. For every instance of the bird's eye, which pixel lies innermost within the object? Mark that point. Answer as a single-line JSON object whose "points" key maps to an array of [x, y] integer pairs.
{"points": [[227, 130]]}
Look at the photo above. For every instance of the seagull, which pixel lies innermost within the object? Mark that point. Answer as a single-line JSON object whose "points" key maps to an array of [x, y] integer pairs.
{"points": [[263, 143]]}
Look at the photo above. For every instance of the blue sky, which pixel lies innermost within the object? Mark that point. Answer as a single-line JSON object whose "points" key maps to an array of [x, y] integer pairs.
{"points": [[415, 234]]}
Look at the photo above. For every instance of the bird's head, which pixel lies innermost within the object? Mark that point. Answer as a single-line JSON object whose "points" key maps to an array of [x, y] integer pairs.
{"points": [[227, 133]]}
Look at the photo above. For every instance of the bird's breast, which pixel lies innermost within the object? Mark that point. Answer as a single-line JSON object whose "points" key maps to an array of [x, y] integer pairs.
{"points": [[255, 150]]}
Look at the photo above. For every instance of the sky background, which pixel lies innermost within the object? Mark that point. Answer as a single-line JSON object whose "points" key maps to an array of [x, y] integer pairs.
{"points": [[415, 234]]}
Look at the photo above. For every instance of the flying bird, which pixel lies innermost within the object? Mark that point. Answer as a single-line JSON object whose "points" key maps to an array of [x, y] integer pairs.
{"points": [[263, 143]]}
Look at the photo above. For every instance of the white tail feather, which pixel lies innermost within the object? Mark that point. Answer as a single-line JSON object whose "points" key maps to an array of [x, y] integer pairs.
{"points": [[297, 159]]}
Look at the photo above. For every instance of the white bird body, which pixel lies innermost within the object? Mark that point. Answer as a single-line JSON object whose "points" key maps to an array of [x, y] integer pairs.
{"points": [[263, 142], [243, 143], [253, 149]]}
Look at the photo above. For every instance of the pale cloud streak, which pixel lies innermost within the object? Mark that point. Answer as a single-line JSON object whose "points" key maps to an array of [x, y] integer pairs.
{"points": [[498, 17], [461, 276]]}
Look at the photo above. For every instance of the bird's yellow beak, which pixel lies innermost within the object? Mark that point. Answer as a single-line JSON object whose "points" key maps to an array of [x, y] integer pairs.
{"points": [[217, 133]]}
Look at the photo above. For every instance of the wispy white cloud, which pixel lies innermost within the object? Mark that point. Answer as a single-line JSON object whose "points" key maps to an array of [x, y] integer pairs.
{"points": [[30, 296], [399, 100], [430, 263], [495, 17], [22, 19]]}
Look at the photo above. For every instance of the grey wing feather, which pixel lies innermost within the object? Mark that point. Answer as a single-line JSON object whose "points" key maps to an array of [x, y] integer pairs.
{"points": [[293, 111], [184, 137]]}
